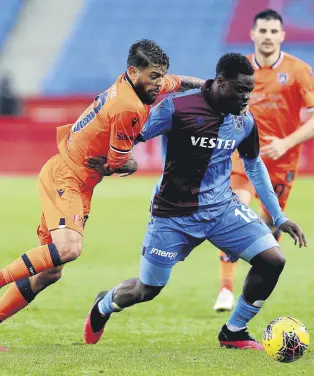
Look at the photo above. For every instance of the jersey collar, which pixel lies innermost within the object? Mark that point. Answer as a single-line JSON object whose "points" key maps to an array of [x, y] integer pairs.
{"points": [[128, 80], [276, 64]]}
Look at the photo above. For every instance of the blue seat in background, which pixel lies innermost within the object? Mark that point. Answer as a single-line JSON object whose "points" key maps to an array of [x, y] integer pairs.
{"points": [[191, 32], [8, 16]]}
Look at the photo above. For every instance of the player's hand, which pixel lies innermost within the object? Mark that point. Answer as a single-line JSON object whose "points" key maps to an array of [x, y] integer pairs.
{"points": [[99, 165], [295, 232], [128, 168], [276, 148]]}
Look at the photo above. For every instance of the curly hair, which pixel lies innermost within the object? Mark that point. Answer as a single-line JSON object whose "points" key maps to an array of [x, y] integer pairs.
{"points": [[146, 52], [232, 64]]}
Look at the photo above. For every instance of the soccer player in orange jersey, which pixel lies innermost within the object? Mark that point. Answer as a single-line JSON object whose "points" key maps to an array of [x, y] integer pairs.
{"points": [[107, 128], [283, 85]]}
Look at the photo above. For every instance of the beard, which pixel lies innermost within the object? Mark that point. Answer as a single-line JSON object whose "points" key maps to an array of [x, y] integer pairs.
{"points": [[145, 96]]}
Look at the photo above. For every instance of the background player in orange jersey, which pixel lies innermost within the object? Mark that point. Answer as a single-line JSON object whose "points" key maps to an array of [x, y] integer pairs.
{"points": [[107, 128], [283, 85]]}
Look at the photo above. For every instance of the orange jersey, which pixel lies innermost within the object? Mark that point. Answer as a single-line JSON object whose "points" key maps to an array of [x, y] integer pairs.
{"points": [[108, 127], [279, 94]]}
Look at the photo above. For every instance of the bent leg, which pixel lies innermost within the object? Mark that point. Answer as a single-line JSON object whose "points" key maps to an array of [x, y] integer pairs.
{"points": [[164, 245], [263, 276], [152, 280], [63, 209], [258, 285], [242, 234], [66, 246], [126, 294], [243, 188], [23, 292]]}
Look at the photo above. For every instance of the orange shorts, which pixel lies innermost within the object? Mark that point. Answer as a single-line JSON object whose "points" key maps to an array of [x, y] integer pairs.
{"points": [[282, 182], [64, 199]]}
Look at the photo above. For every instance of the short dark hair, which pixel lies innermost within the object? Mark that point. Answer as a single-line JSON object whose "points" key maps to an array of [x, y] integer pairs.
{"points": [[232, 64], [268, 14], [146, 52]]}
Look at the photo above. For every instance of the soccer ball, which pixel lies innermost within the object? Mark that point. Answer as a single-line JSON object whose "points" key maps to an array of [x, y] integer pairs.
{"points": [[286, 339]]}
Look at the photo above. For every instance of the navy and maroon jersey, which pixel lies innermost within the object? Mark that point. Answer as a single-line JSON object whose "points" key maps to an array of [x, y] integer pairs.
{"points": [[197, 144]]}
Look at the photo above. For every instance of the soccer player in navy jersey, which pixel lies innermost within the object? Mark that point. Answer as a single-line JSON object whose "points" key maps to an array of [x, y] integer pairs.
{"points": [[193, 201]]}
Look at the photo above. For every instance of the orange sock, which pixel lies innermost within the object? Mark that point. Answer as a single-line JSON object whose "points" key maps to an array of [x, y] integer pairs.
{"points": [[227, 271], [33, 262], [17, 297]]}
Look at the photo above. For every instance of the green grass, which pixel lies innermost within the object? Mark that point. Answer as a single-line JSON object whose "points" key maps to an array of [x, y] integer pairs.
{"points": [[176, 334]]}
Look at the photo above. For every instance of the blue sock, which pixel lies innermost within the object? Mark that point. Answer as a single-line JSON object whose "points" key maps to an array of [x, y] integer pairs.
{"points": [[106, 306], [243, 312]]}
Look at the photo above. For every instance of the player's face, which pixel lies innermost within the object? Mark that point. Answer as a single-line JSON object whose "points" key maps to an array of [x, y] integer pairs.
{"points": [[267, 36], [235, 94], [148, 82]]}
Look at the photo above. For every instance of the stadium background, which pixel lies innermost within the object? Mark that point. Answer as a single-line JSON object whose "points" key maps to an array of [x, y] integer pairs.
{"points": [[58, 55]]}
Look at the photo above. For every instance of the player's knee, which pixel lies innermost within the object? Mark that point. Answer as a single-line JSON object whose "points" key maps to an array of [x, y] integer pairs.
{"points": [[270, 262], [75, 251], [42, 280], [278, 262], [275, 263], [69, 245], [46, 279], [149, 292], [69, 252], [54, 275]]}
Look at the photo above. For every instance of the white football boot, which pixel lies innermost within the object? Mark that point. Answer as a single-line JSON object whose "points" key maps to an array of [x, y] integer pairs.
{"points": [[225, 301]]}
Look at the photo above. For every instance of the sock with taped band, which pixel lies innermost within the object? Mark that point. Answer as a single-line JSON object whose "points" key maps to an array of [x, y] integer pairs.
{"points": [[33, 262]]}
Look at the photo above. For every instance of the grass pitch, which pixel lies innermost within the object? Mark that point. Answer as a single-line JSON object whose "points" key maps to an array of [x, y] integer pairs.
{"points": [[176, 334]]}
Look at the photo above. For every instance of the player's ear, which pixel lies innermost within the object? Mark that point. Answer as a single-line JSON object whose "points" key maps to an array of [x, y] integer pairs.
{"points": [[252, 35], [133, 73], [220, 80], [283, 36]]}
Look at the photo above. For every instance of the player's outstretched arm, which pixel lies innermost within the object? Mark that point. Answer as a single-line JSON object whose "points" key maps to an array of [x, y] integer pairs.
{"points": [[172, 83], [189, 82]]}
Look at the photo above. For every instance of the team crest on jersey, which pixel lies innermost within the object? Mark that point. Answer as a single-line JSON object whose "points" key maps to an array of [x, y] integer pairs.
{"points": [[238, 121], [282, 78]]}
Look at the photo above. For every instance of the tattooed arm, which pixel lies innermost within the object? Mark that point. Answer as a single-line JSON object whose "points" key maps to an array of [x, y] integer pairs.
{"points": [[188, 82]]}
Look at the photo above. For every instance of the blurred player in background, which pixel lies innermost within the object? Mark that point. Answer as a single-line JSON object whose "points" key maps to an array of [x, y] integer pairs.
{"points": [[107, 128], [283, 85], [193, 201]]}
